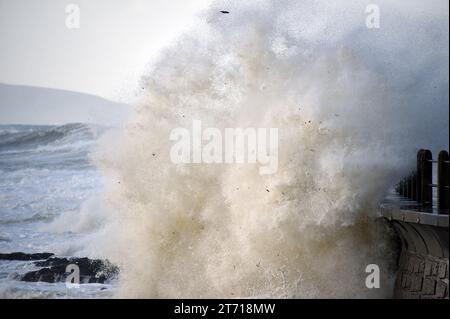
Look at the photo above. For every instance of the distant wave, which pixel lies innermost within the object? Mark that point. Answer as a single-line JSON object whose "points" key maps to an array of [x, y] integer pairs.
{"points": [[34, 218], [20, 137], [47, 147], [4, 239]]}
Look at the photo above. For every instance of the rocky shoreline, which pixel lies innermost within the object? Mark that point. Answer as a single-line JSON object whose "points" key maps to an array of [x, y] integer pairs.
{"points": [[53, 268]]}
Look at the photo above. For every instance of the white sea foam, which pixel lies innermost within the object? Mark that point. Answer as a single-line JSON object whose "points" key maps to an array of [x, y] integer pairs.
{"points": [[352, 106]]}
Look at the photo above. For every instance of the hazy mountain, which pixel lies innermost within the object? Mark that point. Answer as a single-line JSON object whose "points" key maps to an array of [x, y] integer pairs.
{"points": [[34, 105]]}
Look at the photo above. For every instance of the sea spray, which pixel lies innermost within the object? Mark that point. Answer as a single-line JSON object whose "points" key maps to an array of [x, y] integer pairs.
{"points": [[351, 104]]}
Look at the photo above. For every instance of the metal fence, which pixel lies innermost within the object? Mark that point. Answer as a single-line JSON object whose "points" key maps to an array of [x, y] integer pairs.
{"points": [[419, 185]]}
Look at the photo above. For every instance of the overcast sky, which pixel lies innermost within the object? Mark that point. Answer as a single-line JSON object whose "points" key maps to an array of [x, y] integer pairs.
{"points": [[105, 56]]}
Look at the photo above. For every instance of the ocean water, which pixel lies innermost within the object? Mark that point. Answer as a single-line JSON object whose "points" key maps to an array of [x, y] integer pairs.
{"points": [[45, 173]]}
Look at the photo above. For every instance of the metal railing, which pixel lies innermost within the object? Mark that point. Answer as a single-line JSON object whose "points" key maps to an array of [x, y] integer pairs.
{"points": [[419, 185]]}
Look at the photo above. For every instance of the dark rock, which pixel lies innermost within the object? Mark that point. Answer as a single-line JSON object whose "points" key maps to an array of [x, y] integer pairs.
{"points": [[44, 274], [91, 270], [23, 256], [53, 269]]}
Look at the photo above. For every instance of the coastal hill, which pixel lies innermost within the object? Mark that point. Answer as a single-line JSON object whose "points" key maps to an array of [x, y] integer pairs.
{"points": [[34, 106]]}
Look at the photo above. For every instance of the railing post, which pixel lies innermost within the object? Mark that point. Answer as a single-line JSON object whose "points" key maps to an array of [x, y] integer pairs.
{"points": [[408, 187], [402, 187], [443, 182], [414, 187], [424, 177], [419, 176]]}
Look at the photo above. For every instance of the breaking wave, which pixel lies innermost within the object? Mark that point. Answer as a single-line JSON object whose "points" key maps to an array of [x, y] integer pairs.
{"points": [[19, 137], [351, 105]]}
